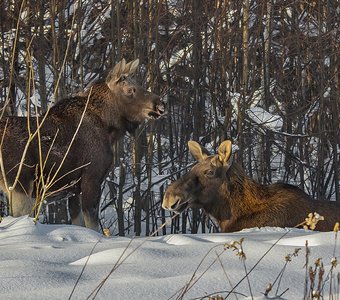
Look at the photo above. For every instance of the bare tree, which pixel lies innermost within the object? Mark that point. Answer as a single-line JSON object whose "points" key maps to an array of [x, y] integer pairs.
{"points": [[214, 62]]}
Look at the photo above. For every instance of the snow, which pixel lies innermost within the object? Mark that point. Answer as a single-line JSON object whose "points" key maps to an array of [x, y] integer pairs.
{"points": [[40, 261], [265, 118]]}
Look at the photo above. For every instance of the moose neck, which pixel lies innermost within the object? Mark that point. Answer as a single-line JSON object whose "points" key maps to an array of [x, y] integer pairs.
{"points": [[111, 113], [239, 195]]}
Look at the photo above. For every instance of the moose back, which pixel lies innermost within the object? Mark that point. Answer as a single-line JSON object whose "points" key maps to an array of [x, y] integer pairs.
{"points": [[220, 187], [113, 108]]}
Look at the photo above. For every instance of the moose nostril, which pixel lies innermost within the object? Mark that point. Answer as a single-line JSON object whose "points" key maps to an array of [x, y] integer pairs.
{"points": [[160, 108], [176, 203]]}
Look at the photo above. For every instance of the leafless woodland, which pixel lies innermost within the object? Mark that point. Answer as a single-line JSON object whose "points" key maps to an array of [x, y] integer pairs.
{"points": [[220, 65]]}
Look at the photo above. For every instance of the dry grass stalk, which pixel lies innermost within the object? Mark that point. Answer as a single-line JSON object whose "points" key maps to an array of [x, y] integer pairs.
{"points": [[31, 135], [3, 109], [123, 258], [193, 280], [238, 247], [288, 258], [225, 274], [45, 186]]}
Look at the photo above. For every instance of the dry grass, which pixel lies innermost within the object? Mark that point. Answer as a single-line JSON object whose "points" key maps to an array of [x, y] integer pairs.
{"points": [[316, 280], [122, 258], [31, 135]]}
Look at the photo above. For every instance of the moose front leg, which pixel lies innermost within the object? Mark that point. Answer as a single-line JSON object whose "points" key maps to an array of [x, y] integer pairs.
{"points": [[90, 198]]}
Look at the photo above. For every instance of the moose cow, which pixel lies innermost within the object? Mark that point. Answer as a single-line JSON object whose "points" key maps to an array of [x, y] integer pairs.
{"points": [[112, 108], [221, 188]]}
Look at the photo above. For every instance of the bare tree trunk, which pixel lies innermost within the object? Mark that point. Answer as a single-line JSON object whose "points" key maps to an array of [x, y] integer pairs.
{"points": [[55, 52], [334, 101], [198, 108], [267, 97], [336, 126], [14, 74], [136, 158], [320, 174], [79, 45], [116, 23], [120, 211], [242, 102], [41, 57]]}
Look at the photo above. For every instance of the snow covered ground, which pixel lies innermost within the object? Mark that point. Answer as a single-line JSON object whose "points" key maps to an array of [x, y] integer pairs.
{"points": [[45, 262]]}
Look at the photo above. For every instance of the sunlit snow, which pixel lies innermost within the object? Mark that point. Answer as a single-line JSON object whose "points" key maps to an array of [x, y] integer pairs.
{"points": [[45, 262]]}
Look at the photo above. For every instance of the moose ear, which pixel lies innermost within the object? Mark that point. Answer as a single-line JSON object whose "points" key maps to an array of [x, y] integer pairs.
{"points": [[224, 152], [131, 67], [197, 151], [116, 73], [215, 162], [119, 68]]}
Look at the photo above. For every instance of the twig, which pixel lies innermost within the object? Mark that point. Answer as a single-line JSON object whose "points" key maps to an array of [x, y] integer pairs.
{"points": [[192, 282], [121, 260], [252, 269], [306, 271], [82, 270], [53, 179], [287, 289], [12, 61], [217, 293], [66, 52], [226, 275]]}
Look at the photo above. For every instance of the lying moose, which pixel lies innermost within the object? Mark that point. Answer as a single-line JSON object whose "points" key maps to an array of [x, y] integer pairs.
{"points": [[114, 107], [219, 186]]}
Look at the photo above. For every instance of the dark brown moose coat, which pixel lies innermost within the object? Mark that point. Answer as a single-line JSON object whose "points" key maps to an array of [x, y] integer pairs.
{"points": [[113, 108], [220, 187]]}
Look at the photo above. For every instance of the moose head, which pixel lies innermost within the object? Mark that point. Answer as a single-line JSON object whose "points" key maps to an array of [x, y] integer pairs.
{"points": [[199, 188], [133, 101], [76, 140], [222, 189]]}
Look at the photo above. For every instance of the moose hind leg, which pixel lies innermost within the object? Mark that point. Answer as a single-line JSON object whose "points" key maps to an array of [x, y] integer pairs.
{"points": [[89, 203], [22, 204], [91, 218], [90, 213], [75, 210]]}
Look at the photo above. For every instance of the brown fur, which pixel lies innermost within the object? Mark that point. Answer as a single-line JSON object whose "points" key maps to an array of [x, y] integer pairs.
{"points": [[115, 107], [225, 192]]}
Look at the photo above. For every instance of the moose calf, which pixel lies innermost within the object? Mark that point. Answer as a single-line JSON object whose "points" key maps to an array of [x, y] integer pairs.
{"points": [[220, 187], [114, 107]]}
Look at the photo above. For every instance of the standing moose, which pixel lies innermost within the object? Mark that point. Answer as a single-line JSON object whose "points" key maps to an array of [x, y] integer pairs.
{"points": [[219, 186], [105, 113]]}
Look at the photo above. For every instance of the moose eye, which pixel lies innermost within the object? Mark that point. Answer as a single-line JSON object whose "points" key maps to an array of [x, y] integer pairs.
{"points": [[209, 173], [122, 79], [130, 91]]}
